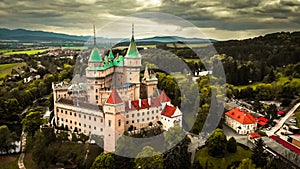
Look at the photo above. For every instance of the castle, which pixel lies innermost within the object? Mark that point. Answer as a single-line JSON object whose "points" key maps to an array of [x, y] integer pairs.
{"points": [[109, 102]]}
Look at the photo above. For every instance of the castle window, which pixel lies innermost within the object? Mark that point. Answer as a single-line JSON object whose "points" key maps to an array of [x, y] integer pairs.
{"points": [[90, 118], [71, 127], [152, 117], [132, 115], [96, 97], [148, 118], [61, 119], [109, 123], [132, 121], [79, 124], [143, 113], [79, 115], [127, 122], [90, 126], [61, 111], [66, 112], [157, 117], [75, 114], [156, 111], [138, 114], [95, 128], [92, 87], [138, 120], [57, 110], [66, 120], [147, 112], [84, 116], [79, 130], [101, 120], [94, 118], [70, 113], [75, 122], [142, 119], [152, 111], [57, 118], [96, 90], [119, 123], [71, 121], [101, 129]]}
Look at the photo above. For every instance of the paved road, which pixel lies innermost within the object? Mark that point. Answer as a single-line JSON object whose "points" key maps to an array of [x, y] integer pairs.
{"points": [[23, 146], [281, 122]]}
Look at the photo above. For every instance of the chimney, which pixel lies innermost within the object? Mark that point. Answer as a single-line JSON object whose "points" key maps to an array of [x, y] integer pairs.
{"points": [[149, 101], [129, 104], [140, 103]]}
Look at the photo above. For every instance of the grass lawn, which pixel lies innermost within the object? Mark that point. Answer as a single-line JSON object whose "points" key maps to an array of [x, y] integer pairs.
{"points": [[28, 162], [9, 162], [197, 60], [28, 52], [202, 156], [5, 69], [297, 114], [280, 81]]}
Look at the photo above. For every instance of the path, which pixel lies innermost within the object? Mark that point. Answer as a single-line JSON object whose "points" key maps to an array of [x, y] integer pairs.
{"points": [[281, 122], [195, 143], [23, 146]]}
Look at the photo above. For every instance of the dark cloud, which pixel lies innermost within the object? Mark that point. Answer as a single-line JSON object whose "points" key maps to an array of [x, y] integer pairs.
{"points": [[227, 15]]}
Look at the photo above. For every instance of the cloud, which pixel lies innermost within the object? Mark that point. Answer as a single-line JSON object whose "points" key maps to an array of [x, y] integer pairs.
{"points": [[66, 16]]}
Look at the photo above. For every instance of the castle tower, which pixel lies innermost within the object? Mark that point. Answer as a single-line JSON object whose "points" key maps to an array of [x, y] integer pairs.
{"points": [[114, 110], [149, 83], [94, 82], [132, 65]]}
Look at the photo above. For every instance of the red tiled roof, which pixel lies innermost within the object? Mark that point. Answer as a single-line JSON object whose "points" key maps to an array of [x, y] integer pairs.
{"points": [[255, 135], [241, 116], [168, 111], [163, 97], [262, 121], [286, 144], [114, 97], [280, 112]]}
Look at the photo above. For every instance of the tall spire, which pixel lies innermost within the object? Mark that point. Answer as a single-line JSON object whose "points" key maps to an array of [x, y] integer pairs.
{"points": [[146, 73], [94, 36], [132, 30]]}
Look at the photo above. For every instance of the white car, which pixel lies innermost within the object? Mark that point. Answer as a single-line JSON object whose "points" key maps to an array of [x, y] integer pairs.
{"points": [[292, 120]]}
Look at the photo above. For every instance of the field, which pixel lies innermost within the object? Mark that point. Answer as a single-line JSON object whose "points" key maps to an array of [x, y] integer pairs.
{"points": [[9, 162], [75, 47], [203, 157], [280, 81], [5, 69], [28, 52]]}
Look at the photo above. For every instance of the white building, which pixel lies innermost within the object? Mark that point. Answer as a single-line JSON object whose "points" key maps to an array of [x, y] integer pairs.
{"points": [[240, 121]]}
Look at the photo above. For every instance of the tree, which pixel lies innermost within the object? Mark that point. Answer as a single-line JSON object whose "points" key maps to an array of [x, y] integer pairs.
{"points": [[246, 164], [216, 143], [7, 139], [104, 161], [31, 123], [148, 159], [259, 156], [231, 145], [173, 136]]}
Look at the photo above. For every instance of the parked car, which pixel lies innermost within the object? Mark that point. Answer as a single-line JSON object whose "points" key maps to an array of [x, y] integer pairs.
{"points": [[286, 133], [292, 120]]}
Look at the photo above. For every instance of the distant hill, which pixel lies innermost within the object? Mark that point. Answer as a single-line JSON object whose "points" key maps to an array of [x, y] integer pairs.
{"points": [[23, 35]]}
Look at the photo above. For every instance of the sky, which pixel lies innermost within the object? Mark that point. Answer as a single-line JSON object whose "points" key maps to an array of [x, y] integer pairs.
{"points": [[214, 19]]}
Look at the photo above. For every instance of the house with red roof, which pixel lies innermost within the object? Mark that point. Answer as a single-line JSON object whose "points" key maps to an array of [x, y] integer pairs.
{"points": [[170, 116], [240, 121]]}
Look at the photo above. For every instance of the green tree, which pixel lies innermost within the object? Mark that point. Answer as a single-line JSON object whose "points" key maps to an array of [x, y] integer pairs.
{"points": [[104, 161], [216, 143], [173, 136], [259, 156], [231, 145], [7, 139], [31, 123], [246, 164], [148, 159]]}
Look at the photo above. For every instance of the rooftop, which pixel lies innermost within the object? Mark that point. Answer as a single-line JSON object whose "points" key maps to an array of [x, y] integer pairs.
{"points": [[241, 116], [169, 111]]}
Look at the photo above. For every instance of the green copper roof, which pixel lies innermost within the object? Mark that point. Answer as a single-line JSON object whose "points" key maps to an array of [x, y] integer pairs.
{"points": [[152, 79], [95, 56], [132, 51], [106, 60], [119, 61], [111, 55]]}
